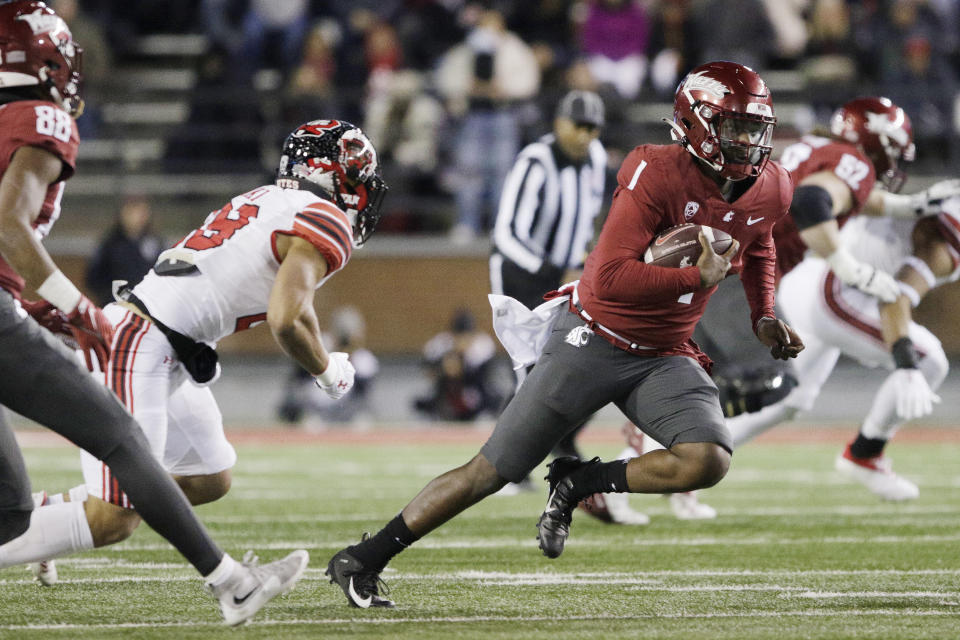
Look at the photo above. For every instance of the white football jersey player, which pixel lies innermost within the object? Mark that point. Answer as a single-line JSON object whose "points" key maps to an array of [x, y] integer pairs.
{"points": [[234, 253]]}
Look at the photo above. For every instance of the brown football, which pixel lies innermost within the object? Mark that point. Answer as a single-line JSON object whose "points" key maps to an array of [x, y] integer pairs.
{"points": [[680, 247]]}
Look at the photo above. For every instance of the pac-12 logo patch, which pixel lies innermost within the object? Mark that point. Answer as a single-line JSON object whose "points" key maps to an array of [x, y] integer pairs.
{"points": [[691, 209], [579, 336]]}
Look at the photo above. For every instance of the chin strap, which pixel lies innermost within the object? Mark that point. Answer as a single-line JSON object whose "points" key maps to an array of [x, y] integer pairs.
{"points": [[679, 136]]}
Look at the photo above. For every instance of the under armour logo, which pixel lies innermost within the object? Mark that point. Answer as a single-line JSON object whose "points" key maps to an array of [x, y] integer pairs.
{"points": [[579, 336], [342, 385]]}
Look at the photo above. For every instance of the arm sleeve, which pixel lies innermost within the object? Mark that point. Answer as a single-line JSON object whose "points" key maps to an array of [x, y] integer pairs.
{"points": [[618, 260], [759, 278], [520, 205]]}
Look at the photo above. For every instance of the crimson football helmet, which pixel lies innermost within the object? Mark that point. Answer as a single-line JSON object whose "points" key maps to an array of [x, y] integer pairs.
{"points": [[883, 132], [723, 115], [36, 49], [336, 160]]}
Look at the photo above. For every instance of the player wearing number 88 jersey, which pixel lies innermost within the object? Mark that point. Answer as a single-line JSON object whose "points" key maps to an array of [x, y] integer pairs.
{"points": [[260, 257]]}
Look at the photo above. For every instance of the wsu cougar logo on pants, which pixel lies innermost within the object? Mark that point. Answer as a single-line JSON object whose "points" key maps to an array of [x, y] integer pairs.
{"points": [[579, 336]]}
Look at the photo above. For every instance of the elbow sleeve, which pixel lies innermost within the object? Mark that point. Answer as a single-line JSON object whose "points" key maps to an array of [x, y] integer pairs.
{"points": [[811, 205]]}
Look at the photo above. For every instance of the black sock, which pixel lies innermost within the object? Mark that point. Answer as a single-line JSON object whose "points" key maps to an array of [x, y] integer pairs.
{"points": [[864, 447], [377, 551], [603, 477]]}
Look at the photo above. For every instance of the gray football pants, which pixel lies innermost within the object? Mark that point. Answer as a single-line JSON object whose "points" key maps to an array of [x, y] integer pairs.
{"points": [[41, 379], [672, 399]]}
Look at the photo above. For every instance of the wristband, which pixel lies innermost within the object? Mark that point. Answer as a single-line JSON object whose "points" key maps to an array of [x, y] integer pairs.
{"points": [[60, 292], [922, 268], [904, 355], [912, 294], [330, 375]]}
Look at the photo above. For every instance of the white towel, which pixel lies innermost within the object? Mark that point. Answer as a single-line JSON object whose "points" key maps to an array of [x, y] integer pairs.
{"points": [[523, 332]]}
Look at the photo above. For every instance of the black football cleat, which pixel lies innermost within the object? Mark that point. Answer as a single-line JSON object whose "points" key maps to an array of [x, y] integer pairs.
{"points": [[360, 584], [554, 525]]}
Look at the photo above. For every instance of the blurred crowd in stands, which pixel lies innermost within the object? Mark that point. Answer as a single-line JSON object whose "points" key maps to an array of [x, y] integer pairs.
{"points": [[450, 90]]}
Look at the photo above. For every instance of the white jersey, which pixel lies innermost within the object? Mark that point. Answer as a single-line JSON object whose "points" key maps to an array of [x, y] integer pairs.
{"points": [[883, 243], [234, 252]]}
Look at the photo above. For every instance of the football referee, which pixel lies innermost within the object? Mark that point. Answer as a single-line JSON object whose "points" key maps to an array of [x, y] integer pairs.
{"points": [[550, 200]]}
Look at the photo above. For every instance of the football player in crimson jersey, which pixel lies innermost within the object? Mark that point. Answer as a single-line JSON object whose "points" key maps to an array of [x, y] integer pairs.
{"points": [[623, 335], [41, 379], [869, 138], [857, 166], [261, 257]]}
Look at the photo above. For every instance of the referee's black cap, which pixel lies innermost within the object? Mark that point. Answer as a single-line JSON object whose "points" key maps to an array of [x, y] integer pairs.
{"points": [[583, 107]]}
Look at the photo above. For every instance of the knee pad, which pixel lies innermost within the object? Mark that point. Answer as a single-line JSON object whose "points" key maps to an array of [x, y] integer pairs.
{"points": [[13, 524]]}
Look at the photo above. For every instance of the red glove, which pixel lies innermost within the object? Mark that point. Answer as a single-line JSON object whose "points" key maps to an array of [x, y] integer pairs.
{"points": [[47, 316], [92, 331]]}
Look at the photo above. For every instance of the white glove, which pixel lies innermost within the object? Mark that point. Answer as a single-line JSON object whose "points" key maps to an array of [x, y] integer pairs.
{"points": [[337, 379], [929, 202], [915, 398], [870, 280]]}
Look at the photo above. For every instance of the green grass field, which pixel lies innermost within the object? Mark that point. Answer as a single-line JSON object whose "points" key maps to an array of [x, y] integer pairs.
{"points": [[796, 553]]}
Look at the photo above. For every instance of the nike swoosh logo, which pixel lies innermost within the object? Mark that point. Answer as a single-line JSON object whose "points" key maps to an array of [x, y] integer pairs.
{"points": [[751, 221], [357, 600], [239, 601], [659, 241]]}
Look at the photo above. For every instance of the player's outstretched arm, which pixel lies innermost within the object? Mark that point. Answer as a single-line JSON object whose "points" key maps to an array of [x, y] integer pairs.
{"points": [[22, 191], [931, 259], [293, 321]]}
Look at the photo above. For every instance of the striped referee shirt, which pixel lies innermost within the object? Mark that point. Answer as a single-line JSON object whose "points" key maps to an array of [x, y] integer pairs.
{"points": [[548, 206]]}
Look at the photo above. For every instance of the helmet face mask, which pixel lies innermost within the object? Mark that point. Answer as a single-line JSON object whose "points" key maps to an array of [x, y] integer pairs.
{"points": [[883, 132], [336, 160], [723, 115], [37, 49]]}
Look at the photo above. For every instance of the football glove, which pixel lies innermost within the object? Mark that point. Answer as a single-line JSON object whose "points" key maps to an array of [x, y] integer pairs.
{"points": [[870, 280], [92, 332], [929, 202], [337, 379], [47, 316], [914, 397]]}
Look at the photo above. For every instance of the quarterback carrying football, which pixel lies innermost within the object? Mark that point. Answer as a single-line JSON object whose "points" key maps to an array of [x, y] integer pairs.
{"points": [[622, 335]]}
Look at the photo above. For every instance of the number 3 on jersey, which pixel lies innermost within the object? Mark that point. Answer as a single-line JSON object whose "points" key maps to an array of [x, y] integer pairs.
{"points": [[220, 225]]}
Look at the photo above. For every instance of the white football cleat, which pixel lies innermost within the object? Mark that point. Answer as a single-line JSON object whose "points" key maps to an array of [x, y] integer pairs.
{"points": [[618, 504], [252, 586], [687, 506], [45, 571], [876, 475]]}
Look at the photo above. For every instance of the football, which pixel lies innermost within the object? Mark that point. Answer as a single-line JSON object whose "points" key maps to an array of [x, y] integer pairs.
{"points": [[680, 247]]}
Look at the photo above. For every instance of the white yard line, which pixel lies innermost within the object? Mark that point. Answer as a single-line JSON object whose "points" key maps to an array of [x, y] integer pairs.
{"points": [[586, 541], [400, 619]]}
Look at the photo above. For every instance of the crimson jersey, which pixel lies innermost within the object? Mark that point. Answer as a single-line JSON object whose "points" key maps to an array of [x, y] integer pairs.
{"points": [[37, 123], [659, 187], [813, 154]]}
